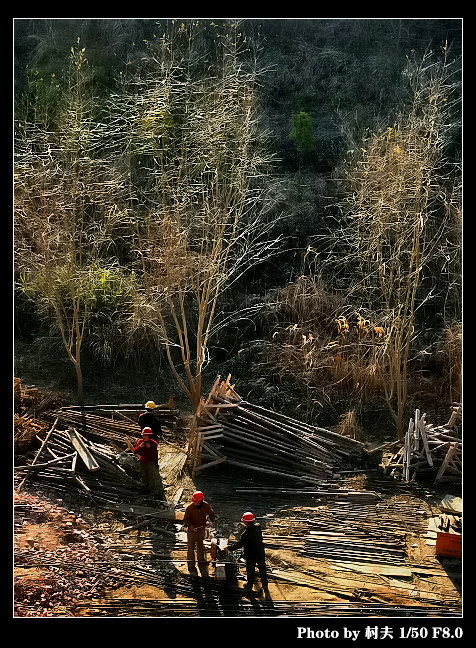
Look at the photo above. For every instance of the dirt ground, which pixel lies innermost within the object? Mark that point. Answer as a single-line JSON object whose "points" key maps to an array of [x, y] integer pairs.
{"points": [[74, 559]]}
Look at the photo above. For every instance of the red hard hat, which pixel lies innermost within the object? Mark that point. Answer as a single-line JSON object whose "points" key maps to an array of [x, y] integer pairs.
{"points": [[248, 517], [198, 496], [146, 430]]}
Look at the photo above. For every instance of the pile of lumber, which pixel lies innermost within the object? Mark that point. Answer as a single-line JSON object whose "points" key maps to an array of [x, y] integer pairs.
{"points": [[69, 460], [227, 428], [355, 547], [326, 490], [122, 433], [30, 402], [89, 448], [127, 412], [383, 520], [429, 451], [118, 424]]}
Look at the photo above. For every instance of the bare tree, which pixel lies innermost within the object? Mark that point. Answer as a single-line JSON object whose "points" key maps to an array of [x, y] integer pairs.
{"points": [[395, 233], [65, 203], [189, 130]]}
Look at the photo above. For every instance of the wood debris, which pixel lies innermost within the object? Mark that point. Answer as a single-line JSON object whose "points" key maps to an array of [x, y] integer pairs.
{"points": [[30, 402], [83, 452], [429, 450], [227, 428], [25, 431], [89, 449], [327, 491], [127, 412], [71, 461]]}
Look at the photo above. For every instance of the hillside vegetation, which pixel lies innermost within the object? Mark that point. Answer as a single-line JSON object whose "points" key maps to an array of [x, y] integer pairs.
{"points": [[276, 199]]}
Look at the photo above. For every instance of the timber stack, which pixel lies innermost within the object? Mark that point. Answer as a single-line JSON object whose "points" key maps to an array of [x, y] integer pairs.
{"points": [[165, 413], [72, 461], [228, 428], [429, 450], [86, 448]]}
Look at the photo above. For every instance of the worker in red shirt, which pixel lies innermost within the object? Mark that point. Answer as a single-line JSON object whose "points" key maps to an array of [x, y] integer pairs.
{"points": [[148, 452], [195, 522]]}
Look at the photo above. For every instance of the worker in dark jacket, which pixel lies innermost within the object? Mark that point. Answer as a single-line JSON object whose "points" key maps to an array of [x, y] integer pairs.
{"points": [[148, 452], [147, 419], [253, 548], [194, 522]]}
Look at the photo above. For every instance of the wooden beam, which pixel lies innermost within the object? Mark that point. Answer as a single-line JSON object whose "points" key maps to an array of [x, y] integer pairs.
{"points": [[37, 466], [446, 461], [81, 483], [39, 451], [425, 443], [406, 447], [213, 388], [80, 446], [211, 463], [219, 406]]}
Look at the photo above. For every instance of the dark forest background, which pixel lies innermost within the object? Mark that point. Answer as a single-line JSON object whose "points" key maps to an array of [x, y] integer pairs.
{"points": [[345, 78]]}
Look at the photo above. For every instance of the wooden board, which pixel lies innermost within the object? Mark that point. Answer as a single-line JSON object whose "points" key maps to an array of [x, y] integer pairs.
{"points": [[451, 504], [373, 568], [82, 450]]}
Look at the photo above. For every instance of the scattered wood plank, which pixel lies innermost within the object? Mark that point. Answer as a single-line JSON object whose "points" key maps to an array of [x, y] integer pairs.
{"points": [[428, 450], [451, 504], [82, 450], [50, 432], [385, 570], [210, 463]]}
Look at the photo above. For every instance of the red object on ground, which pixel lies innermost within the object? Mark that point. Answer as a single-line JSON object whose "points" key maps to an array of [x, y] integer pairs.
{"points": [[448, 544]]}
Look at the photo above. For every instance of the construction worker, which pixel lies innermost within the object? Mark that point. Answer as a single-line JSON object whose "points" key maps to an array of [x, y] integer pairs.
{"points": [[253, 548], [147, 419], [195, 523], [148, 452]]}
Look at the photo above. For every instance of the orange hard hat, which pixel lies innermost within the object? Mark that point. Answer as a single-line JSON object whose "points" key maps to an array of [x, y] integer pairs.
{"points": [[248, 517], [198, 496]]}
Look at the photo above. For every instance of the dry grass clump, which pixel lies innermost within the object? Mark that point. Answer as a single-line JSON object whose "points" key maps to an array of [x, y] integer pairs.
{"points": [[348, 426], [29, 402], [324, 347], [307, 303]]}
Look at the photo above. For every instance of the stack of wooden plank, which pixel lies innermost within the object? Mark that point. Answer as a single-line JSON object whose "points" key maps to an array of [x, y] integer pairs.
{"points": [[355, 546], [123, 433], [70, 460], [127, 412], [227, 428], [326, 490], [116, 423], [429, 450], [84, 448]]}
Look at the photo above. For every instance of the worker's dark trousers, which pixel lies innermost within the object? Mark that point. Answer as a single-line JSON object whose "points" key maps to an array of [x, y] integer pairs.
{"points": [[251, 562], [195, 541], [151, 477]]}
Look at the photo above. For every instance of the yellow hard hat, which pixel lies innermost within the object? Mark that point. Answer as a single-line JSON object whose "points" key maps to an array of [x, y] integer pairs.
{"points": [[150, 405]]}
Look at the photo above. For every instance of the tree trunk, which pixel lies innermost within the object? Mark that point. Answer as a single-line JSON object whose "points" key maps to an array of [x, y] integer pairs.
{"points": [[79, 378]]}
